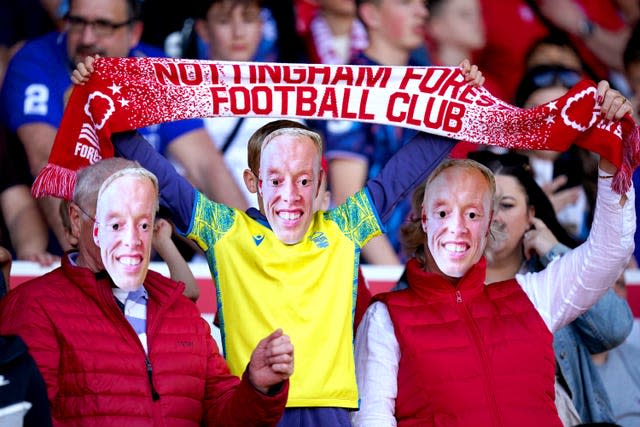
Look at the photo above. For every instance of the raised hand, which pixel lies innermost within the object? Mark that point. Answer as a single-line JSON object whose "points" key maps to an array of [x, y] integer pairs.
{"points": [[539, 240], [162, 234], [472, 74], [563, 198], [83, 70], [612, 103]]}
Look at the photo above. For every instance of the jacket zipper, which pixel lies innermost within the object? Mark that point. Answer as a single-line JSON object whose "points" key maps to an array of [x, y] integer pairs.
{"points": [[154, 393], [473, 329], [108, 296]]}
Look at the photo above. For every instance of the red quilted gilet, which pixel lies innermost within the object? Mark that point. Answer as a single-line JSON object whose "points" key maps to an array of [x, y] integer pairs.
{"points": [[471, 355]]}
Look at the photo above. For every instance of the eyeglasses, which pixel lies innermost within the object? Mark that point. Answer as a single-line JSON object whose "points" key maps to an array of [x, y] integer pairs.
{"points": [[101, 27], [85, 212], [551, 77]]}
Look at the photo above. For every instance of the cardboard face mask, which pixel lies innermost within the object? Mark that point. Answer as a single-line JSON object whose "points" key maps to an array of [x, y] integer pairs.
{"points": [[124, 228], [456, 216]]}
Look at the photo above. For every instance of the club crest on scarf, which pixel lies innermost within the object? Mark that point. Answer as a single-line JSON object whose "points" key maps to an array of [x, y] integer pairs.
{"points": [[130, 93]]}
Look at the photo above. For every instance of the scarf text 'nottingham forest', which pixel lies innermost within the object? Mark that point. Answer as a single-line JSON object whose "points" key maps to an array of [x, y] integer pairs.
{"points": [[130, 93]]}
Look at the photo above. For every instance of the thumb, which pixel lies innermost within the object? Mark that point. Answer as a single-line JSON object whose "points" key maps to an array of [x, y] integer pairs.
{"points": [[264, 342]]}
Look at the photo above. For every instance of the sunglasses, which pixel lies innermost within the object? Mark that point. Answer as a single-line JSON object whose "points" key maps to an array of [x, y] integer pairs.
{"points": [[553, 77]]}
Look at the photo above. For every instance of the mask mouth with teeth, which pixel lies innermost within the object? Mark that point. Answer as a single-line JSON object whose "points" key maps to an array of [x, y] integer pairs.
{"points": [[288, 185], [455, 218], [123, 229]]}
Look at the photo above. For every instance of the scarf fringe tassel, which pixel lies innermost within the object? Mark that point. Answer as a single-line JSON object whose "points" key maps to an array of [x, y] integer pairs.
{"points": [[54, 179], [630, 160]]}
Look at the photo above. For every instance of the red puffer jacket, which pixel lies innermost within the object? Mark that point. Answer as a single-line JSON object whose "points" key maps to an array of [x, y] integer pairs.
{"points": [[471, 355], [96, 370]]}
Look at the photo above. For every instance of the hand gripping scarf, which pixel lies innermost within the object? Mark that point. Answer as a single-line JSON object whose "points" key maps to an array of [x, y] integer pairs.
{"points": [[130, 93]]}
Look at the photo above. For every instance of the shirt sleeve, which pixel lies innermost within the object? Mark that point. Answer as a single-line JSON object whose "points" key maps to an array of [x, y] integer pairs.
{"points": [[605, 325], [169, 131], [570, 285], [31, 93], [176, 193], [377, 358], [407, 169]]}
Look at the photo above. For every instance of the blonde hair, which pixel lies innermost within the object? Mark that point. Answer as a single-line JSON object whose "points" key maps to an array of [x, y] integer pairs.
{"points": [[137, 172], [266, 133], [465, 164]]}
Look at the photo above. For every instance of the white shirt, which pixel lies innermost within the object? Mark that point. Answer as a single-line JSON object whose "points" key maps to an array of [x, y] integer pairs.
{"points": [[588, 272]]}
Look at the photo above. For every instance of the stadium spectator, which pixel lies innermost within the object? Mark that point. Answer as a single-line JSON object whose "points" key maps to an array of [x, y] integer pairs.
{"points": [[455, 30], [358, 151], [568, 178], [334, 34], [22, 227], [593, 26], [527, 241], [154, 358], [232, 30], [620, 371], [38, 77]]}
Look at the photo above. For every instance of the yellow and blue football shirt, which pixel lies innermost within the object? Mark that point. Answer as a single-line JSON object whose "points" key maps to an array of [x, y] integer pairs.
{"points": [[307, 289]]}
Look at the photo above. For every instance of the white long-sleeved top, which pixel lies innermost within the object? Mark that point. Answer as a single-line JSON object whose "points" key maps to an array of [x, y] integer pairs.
{"points": [[587, 272]]}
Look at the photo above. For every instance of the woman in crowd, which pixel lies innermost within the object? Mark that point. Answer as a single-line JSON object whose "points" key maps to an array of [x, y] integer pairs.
{"points": [[528, 238]]}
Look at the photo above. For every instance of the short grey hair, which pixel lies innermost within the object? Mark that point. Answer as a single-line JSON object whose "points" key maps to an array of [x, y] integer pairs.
{"points": [[92, 177]]}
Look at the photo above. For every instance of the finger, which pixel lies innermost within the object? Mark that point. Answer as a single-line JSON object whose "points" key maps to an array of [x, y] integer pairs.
{"points": [[80, 74], [473, 73], [538, 223], [84, 69], [265, 342], [566, 197], [612, 102], [281, 345], [285, 369], [603, 87], [90, 61], [465, 65], [280, 359], [42, 260], [557, 182], [50, 259], [275, 334], [625, 108], [617, 109]]}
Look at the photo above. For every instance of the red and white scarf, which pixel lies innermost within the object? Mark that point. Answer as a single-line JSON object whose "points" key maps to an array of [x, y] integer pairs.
{"points": [[131, 93]]}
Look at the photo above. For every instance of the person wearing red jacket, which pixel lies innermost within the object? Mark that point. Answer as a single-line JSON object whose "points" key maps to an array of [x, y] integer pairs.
{"points": [[100, 367]]}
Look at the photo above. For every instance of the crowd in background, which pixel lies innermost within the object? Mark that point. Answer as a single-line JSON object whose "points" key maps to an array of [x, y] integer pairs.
{"points": [[530, 51]]}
